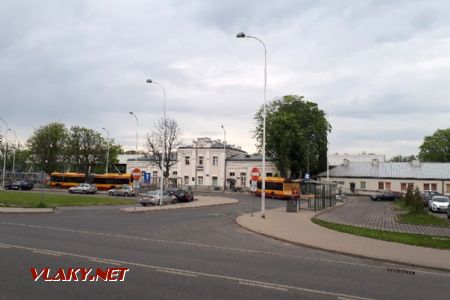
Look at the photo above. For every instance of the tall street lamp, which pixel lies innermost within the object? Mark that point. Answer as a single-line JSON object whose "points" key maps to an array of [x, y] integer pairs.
{"points": [[263, 188], [164, 137], [14, 153], [224, 158], [4, 151], [107, 149], [137, 133]]}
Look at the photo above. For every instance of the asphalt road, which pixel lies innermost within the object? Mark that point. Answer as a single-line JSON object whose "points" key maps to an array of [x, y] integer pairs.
{"points": [[197, 253]]}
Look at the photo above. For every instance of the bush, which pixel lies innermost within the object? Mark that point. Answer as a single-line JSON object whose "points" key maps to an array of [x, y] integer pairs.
{"points": [[41, 204]]}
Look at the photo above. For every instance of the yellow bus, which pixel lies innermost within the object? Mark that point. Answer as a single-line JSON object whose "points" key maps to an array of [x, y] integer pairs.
{"points": [[278, 187], [102, 181]]}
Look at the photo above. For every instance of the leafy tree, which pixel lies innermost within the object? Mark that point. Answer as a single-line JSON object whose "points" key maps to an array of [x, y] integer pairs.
{"points": [[296, 135], [399, 158], [169, 133], [436, 148], [47, 147], [86, 149]]}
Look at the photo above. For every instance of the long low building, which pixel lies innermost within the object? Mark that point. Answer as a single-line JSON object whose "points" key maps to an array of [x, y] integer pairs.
{"points": [[395, 176]]}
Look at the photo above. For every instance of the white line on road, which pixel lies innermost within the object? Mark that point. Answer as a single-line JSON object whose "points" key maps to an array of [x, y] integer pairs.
{"points": [[191, 244], [4, 246], [199, 274], [263, 286], [47, 252], [177, 272], [104, 261]]}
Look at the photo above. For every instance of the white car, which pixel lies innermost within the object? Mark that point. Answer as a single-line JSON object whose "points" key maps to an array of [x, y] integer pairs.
{"points": [[439, 203], [84, 188], [153, 198], [125, 190]]}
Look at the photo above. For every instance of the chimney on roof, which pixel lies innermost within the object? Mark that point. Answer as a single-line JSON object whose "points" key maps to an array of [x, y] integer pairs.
{"points": [[375, 162], [415, 163]]}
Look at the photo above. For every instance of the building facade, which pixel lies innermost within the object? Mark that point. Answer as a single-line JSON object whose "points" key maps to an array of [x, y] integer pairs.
{"points": [[394, 176], [206, 164]]}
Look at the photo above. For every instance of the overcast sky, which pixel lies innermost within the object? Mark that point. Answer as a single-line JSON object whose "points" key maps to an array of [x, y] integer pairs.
{"points": [[379, 69]]}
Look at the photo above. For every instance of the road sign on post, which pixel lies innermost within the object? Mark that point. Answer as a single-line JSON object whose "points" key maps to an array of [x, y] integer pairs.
{"points": [[136, 173], [254, 173]]}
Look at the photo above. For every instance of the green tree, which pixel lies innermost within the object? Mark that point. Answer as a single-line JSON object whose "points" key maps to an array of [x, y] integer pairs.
{"points": [[296, 135], [86, 150], [436, 148], [400, 158], [47, 147]]}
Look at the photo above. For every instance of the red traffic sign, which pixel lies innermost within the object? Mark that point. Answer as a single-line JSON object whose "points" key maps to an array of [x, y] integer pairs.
{"points": [[136, 173], [254, 173]]}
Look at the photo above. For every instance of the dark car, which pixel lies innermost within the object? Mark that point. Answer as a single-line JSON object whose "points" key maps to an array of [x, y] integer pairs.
{"points": [[19, 185], [184, 196], [386, 195]]}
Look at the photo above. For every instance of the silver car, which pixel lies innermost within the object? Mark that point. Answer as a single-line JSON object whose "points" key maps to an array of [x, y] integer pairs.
{"points": [[84, 188], [153, 198], [439, 204], [125, 190]]}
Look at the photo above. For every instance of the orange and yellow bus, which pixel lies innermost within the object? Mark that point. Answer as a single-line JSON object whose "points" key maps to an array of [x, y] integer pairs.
{"points": [[278, 187], [103, 181]]}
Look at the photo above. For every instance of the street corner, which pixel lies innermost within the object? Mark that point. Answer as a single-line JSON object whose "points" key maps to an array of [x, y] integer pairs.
{"points": [[200, 201]]}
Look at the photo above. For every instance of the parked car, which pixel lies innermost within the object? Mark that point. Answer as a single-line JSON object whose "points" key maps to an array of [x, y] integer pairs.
{"points": [[386, 195], [84, 188], [439, 204], [184, 196], [153, 197], [125, 190], [19, 185]]}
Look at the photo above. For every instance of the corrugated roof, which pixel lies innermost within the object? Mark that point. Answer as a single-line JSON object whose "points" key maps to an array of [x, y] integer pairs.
{"points": [[418, 170]]}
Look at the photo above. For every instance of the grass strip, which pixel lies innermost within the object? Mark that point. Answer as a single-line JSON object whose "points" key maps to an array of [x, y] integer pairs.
{"points": [[422, 219], [37, 199], [421, 240]]}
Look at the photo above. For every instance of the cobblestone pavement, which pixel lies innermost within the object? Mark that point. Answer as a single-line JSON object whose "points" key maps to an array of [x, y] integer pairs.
{"points": [[363, 212]]}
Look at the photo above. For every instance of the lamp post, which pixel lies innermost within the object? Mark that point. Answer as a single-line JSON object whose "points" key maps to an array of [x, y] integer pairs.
{"points": [[107, 149], [137, 133], [14, 153], [4, 151], [224, 158], [164, 137], [263, 187]]}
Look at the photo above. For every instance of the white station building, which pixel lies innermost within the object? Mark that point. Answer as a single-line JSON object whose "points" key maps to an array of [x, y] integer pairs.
{"points": [[206, 164]]}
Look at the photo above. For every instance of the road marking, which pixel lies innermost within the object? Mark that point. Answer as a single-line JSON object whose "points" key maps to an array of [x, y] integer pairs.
{"points": [[177, 272], [199, 274], [246, 251], [263, 286], [47, 252], [104, 261], [4, 246]]}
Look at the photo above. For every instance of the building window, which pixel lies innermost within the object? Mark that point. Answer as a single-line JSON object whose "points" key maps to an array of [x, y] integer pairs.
{"points": [[175, 173], [215, 160], [403, 186], [380, 185], [410, 186], [200, 180], [363, 185], [155, 173], [430, 187], [186, 160], [268, 174], [186, 180], [447, 187], [200, 160], [214, 180], [243, 179], [387, 185], [434, 187], [232, 174]]}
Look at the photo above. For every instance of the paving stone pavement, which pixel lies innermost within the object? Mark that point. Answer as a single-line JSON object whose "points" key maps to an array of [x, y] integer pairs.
{"points": [[363, 212]]}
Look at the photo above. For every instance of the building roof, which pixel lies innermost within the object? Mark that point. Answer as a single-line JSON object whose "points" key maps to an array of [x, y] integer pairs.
{"points": [[247, 157], [337, 159], [401, 170]]}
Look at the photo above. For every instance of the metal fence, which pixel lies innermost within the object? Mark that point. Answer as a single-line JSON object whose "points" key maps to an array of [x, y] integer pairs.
{"points": [[319, 194]]}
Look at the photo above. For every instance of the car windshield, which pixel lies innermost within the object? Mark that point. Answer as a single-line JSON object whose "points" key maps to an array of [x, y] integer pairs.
{"points": [[440, 199], [152, 193]]}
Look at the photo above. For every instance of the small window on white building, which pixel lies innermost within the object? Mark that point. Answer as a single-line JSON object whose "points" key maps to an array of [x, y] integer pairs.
{"points": [[200, 160], [215, 160], [243, 179], [186, 160], [200, 180], [232, 174], [175, 173], [363, 185], [214, 180], [186, 180]]}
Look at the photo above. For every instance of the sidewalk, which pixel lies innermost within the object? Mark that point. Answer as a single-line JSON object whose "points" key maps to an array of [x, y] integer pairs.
{"points": [[200, 201], [23, 210], [297, 228]]}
